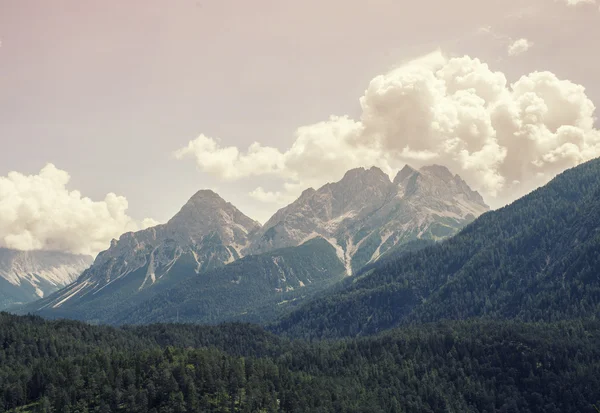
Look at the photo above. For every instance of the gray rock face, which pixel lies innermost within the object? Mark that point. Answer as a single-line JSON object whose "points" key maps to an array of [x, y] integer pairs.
{"points": [[207, 213], [365, 214], [26, 276], [207, 231], [211, 230]]}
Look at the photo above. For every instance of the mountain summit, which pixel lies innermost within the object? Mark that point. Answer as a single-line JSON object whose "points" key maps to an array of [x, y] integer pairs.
{"points": [[207, 232], [535, 260], [208, 213], [207, 228], [366, 214]]}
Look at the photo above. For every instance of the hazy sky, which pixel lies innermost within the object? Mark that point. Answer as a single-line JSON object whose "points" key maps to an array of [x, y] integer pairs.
{"points": [[111, 92]]}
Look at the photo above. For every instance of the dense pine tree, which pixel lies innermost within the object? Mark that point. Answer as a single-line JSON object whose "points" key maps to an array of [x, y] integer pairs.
{"points": [[475, 366]]}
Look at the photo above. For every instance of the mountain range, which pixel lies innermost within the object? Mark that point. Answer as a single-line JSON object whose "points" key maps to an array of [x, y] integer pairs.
{"points": [[30, 275], [500, 317], [210, 245]]}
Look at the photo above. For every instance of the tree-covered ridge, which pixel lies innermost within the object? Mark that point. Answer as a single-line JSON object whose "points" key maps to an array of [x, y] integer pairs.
{"points": [[537, 260], [68, 366]]}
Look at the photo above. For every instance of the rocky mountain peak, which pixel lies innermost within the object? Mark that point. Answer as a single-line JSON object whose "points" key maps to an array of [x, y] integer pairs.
{"points": [[372, 175], [208, 231], [404, 173], [206, 212], [359, 190], [438, 171], [365, 213], [307, 193], [437, 180], [203, 204], [205, 196], [437, 183]]}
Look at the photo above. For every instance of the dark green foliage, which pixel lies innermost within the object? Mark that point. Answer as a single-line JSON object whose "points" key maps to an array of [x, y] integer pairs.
{"points": [[11, 294], [535, 260], [394, 253], [365, 252], [68, 366]]}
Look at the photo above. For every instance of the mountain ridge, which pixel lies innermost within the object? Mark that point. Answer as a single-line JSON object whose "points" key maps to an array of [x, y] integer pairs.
{"points": [[361, 217], [366, 213], [29, 275], [533, 260], [207, 231]]}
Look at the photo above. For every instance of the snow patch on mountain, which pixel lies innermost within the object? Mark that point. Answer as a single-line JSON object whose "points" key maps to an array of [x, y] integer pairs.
{"points": [[341, 254], [36, 274], [72, 294], [384, 238]]}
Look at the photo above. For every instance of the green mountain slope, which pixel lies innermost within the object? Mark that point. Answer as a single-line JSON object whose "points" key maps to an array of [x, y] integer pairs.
{"points": [[537, 259], [67, 366], [254, 288]]}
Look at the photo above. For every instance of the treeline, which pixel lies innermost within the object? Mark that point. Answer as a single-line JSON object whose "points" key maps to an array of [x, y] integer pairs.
{"points": [[476, 366]]}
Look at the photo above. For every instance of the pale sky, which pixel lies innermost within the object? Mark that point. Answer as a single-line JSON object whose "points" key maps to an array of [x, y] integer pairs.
{"points": [[111, 92]]}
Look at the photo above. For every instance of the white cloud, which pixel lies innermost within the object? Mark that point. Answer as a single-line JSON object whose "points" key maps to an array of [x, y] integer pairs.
{"points": [[39, 212], [519, 46], [271, 197], [228, 162], [578, 2], [503, 139], [575, 3]]}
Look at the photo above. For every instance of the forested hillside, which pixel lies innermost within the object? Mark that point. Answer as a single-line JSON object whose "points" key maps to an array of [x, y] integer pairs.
{"points": [[68, 366], [535, 260]]}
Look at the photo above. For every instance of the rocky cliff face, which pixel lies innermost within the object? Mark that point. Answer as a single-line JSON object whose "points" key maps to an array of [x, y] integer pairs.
{"points": [[365, 214], [206, 233], [208, 228]]}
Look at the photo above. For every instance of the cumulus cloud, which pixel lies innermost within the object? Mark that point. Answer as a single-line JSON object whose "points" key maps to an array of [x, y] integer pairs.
{"points": [[38, 212], [519, 46], [578, 2], [503, 139], [575, 3], [271, 197], [228, 162]]}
